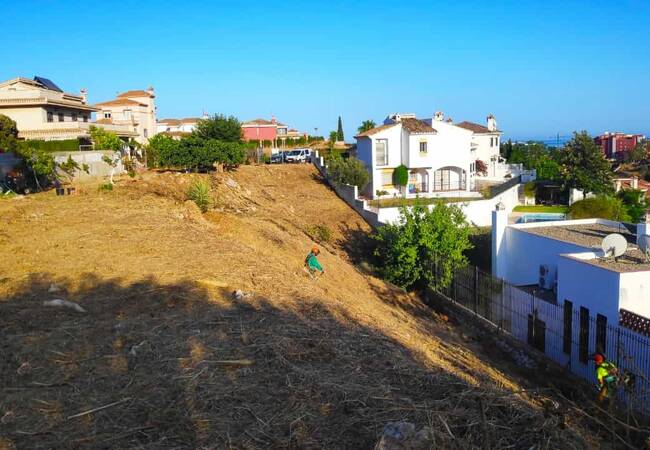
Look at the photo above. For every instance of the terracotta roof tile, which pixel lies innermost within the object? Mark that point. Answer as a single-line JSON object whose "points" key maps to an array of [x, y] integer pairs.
{"points": [[135, 93], [475, 127], [120, 102], [170, 121], [416, 126], [375, 130], [257, 122]]}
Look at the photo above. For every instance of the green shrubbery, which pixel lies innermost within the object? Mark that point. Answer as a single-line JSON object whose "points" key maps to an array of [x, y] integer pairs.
{"points": [[200, 193], [105, 140], [321, 233], [216, 141], [425, 247], [67, 145], [347, 171], [602, 207], [629, 205], [400, 176]]}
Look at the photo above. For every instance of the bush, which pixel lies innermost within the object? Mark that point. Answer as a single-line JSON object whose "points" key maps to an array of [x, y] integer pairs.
{"points": [[321, 233], [106, 187], [347, 171], [530, 189], [67, 145], [425, 247], [105, 140], [400, 176], [600, 207], [200, 193], [381, 193], [635, 203]]}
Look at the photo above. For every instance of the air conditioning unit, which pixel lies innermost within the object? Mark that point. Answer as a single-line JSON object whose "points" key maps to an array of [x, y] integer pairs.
{"points": [[546, 277]]}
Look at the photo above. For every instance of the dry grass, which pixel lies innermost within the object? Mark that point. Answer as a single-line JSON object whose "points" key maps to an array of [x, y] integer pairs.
{"points": [[173, 361]]}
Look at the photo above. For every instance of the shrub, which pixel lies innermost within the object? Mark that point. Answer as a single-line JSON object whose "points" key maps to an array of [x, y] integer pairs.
{"points": [[400, 176], [481, 167], [161, 147], [425, 247], [321, 233], [381, 193], [347, 171], [105, 140], [67, 145], [600, 207], [199, 193], [530, 189], [106, 187], [635, 203]]}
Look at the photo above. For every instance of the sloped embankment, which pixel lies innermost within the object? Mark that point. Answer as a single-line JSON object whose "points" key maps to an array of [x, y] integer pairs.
{"points": [[166, 357]]}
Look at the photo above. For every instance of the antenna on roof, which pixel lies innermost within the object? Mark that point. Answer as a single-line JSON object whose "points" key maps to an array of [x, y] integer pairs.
{"points": [[614, 245], [644, 245]]}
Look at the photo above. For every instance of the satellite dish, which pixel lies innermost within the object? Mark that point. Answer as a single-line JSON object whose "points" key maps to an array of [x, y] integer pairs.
{"points": [[614, 245], [644, 245]]}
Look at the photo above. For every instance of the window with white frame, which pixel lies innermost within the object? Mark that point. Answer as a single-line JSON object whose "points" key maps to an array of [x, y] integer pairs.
{"points": [[381, 152], [386, 178], [423, 146]]}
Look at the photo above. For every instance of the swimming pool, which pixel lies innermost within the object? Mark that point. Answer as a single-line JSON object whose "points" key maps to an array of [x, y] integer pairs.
{"points": [[541, 217]]}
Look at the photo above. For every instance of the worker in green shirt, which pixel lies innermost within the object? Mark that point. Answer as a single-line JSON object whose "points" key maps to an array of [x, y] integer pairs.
{"points": [[607, 376], [311, 261]]}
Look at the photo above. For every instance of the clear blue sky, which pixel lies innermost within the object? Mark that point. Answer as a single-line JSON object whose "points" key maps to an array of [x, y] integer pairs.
{"points": [[540, 67]]}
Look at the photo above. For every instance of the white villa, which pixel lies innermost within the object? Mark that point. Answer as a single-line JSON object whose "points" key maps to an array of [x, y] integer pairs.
{"points": [[42, 110], [179, 127], [441, 156], [135, 110]]}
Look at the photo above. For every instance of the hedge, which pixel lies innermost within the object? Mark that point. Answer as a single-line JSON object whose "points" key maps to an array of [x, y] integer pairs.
{"points": [[67, 145]]}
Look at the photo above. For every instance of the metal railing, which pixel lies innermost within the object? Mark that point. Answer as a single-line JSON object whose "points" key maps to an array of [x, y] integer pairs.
{"points": [[565, 333]]}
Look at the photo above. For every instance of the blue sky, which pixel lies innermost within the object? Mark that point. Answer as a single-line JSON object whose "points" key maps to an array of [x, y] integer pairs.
{"points": [[539, 67]]}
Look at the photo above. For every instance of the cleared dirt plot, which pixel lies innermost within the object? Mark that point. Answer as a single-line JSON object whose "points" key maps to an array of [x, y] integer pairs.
{"points": [[165, 356]]}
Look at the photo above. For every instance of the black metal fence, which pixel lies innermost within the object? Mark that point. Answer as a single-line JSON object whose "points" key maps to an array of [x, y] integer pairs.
{"points": [[566, 333]]}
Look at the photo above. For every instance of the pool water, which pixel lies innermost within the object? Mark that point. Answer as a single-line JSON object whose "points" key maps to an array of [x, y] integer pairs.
{"points": [[541, 217]]}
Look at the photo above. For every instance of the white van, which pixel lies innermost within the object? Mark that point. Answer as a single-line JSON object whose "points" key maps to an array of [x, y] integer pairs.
{"points": [[299, 155]]}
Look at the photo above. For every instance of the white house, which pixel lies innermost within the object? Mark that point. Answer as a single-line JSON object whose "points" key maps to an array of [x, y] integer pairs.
{"points": [[485, 146], [576, 293], [179, 127], [440, 155]]}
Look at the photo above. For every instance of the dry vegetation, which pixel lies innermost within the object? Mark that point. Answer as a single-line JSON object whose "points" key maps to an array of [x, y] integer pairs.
{"points": [[172, 360]]}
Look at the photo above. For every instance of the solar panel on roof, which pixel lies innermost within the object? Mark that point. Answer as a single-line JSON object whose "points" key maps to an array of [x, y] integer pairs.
{"points": [[49, 84]]}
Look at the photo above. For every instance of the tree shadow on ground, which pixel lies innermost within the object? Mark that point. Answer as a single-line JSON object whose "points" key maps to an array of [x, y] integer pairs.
{"points": [[157, 366]]}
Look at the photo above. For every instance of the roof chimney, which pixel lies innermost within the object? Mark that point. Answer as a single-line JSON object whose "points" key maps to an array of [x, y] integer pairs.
{"points": [[151, 91], [273, 119], [491, 123], [439, 116], [84, 95]]}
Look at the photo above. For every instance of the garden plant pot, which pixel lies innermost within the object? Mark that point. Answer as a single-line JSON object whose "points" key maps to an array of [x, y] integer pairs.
{"points": [[60, 191], [71, 191]]}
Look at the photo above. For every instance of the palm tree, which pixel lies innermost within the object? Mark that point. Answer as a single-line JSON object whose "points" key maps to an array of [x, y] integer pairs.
{"points": [[367, 125]]}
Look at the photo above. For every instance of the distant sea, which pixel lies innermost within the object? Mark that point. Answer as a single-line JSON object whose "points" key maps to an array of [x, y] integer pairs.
{"points": [[550, 142]]}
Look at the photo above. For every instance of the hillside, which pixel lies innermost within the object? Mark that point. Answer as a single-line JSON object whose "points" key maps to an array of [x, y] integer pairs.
{"points": [[175, 361]]}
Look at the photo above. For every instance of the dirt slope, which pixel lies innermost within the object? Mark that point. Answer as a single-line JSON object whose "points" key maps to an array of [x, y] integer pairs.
{"points": [[321, 364]]}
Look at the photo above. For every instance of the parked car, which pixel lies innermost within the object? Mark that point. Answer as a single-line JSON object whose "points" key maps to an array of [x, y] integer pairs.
{"points": [[300, 155], [278, 158]]}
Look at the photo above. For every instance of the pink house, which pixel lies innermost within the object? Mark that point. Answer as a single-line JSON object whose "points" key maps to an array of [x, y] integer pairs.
{"points": [[260, 130]]}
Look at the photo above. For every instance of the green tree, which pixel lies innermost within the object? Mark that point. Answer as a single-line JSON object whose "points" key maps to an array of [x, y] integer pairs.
{"points": [[347, 171], [219, 127], [38, 161], [639, 152], [366, 125], [339, 131], [584, 167], [160, 148], [601, 207], [424, 247], [635, 203], [105, 140], [401, 177], [8, 134]]}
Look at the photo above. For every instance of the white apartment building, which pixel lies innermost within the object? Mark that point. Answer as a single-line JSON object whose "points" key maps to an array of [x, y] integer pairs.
{"points": [[44, 111], [135, 110], [440, 155]]}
